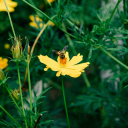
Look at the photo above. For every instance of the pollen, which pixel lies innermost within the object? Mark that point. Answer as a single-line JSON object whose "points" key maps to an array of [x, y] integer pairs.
{"points": [[63, 61]]}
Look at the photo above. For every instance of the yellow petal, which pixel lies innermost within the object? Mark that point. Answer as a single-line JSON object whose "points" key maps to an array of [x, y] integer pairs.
{"points": [[50, 1], [45, 69], [74, 74], [58, 73], [79, 66], [10, 4], [5, 60], [33, 24], [4, 9], [70, 72], [51, 23], [0, 58], [35, 18], [49, 62], [75, 60]]}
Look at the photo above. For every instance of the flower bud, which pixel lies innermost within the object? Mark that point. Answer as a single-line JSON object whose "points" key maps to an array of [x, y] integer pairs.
{"points": [[15, 95], [17, 48], [2, 76]]}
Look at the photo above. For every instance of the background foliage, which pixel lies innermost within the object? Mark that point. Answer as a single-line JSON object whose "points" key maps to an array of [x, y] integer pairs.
{"points": [[97, 99]]}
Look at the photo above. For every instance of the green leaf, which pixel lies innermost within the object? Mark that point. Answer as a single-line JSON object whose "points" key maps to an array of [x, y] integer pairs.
{"points": [[90, 53], [46, 122], [114, 49], [117, 76]]}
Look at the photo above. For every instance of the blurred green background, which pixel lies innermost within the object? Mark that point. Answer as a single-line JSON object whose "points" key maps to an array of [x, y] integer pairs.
{"points": [[104, 104]]}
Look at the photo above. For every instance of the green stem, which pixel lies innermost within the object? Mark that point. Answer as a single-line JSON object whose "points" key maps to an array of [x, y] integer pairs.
{"points": [[65, 103], [103, 50], [51, 20], [110, 19], [10, 20], [17, 64], [10, 116], [29, 82], [86, 80], [124, 7], [16, 103], [53, 83]]}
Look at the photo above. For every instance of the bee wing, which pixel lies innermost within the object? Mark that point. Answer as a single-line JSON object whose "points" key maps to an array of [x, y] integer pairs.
{"points": [[65, 48], [54, 51]]}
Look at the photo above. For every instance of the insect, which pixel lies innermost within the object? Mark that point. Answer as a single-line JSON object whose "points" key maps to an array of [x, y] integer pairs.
{"points": [[61, 53]]}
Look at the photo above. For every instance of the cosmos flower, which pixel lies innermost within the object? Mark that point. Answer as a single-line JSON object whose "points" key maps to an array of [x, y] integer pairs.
{"points": [[65, 66], [37, 22], [3, 63], [11, 5], [7, 46]]}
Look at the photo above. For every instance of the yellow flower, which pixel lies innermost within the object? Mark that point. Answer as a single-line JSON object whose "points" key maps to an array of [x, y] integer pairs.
{"points": [[11, 5], [37, 22], [50, 1], [7, 46], [3, 63], [65, 66]]}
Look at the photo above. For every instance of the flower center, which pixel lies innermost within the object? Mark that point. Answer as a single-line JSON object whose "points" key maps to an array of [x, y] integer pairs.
{"points": [[63, 62]]}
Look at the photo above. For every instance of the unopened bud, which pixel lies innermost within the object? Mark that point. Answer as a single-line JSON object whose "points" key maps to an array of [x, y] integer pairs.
{"points": [[17, 48], [2, 76], [28, 49], [15, 95]]}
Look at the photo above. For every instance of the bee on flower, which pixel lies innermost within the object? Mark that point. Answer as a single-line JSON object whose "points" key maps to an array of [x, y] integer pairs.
{"points": [[64, 65]]}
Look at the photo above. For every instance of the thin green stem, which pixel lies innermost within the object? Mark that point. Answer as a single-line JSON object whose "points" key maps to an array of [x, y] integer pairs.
{"points": [[51, 20], [65, 103], [53, 83], [16, 104], [17, 64], [10, 116], [10, 20], [122, 64], [86, 80], [29, 82], [110, 19], [124, 7]]}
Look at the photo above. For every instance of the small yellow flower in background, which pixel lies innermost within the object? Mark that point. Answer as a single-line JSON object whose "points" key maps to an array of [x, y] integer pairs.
{"points": [[50, 1], [65, 66], [11, 5], [3, 63], [36, 21], [7, 46]]}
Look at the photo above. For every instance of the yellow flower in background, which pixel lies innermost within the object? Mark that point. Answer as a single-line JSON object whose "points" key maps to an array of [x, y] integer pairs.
{"points": [[11, 5], [7, 46], [65, 66], [3, 63], [36, 21], [50, 1]]}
